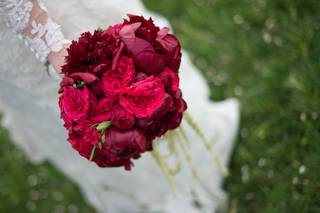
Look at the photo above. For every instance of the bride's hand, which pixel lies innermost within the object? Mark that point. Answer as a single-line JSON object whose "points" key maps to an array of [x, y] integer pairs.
{"points": [[56, 59]]}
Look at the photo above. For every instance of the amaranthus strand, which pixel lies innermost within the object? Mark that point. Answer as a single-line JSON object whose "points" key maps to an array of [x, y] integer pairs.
{"points": [[207, 144], [167, 138], [186, 153], [163, 166], [172, 147], [183, 134]]}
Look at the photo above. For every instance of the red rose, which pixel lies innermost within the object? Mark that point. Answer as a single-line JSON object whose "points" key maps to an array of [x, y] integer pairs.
{"points": [[115, 79], [169, 79], [88, 133], [78, 143], [103, 110], [143, 98], [76, 104], [121, 118]]}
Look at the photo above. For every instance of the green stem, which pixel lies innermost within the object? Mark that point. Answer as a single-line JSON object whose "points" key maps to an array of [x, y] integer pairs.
{"points": [[92, 153]]}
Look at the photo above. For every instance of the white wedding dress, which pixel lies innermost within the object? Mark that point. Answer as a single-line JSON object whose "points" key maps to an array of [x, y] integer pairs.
{"points": [[28, 100]]}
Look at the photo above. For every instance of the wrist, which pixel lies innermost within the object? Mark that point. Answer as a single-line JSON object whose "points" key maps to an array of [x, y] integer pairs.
{"points": [[57, 59]]}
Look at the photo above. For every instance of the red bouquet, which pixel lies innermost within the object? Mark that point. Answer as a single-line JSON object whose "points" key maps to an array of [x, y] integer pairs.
{"points": [[120, 91]]}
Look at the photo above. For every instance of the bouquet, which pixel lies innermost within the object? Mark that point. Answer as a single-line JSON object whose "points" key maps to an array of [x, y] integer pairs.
{"points": [[120, 91]]}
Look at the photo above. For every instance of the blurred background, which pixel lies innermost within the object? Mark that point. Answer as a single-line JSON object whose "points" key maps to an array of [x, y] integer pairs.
{"points": [[264, 52]]}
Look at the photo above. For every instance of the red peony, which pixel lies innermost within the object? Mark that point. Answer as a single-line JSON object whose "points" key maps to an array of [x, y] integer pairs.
{"points": [[151, 48], [122, 145], [143, 98]]}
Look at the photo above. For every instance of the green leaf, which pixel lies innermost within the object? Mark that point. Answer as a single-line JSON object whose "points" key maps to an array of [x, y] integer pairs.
{"points": [[81, 84], [103, 125], [46, 64]]}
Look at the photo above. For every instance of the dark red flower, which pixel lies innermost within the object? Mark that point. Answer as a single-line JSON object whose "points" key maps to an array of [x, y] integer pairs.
{"points": [[151, 48], [170, 80], [76, 104], [78, 143], [121, 118], [88, 133], [103, 110], [147, 30], [122, 145], [172, 49], [144, 55], [143, 98], [115, 79], [90, 51]]}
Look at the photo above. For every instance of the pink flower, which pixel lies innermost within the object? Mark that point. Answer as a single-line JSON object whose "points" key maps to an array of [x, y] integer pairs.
{"points": [[76, 104], [143, 98]]}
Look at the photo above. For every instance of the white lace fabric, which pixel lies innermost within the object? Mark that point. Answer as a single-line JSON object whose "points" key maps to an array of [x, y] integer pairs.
{"points": [[40, 33]]}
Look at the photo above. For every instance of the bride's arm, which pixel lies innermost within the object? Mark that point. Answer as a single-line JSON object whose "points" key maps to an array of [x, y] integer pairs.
{"points": [[31, 22]]}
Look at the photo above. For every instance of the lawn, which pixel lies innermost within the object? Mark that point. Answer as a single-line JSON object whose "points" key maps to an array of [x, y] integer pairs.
{"points": [[25, 187], [265, 53]]}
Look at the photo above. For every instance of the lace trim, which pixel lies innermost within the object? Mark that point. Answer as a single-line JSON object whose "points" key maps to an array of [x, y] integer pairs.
{"points": [[17, 13], [45, 38]]}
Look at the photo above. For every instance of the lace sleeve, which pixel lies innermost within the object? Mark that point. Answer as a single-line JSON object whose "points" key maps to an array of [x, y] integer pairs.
{"points": [[30, 21]]}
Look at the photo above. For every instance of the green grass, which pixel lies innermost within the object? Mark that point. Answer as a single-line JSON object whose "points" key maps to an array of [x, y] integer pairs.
{"points": [[25, 187], [267, 53]]}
